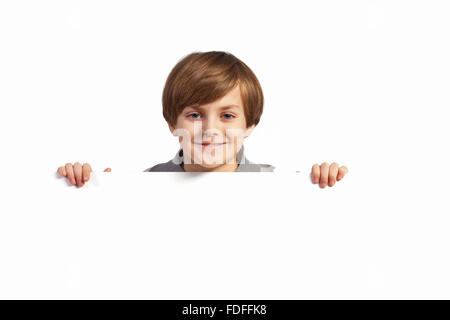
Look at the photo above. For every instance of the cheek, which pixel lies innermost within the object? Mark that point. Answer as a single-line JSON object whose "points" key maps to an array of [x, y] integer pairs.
{"points": [[241, 126], [187, 127], [236, 131]]}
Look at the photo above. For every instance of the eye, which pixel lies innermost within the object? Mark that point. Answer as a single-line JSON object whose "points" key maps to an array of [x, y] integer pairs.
{"points": [[228, 116], [194, 115]]}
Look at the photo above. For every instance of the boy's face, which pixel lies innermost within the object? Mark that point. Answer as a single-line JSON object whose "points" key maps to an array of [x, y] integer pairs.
{"points": [[211, 134]]}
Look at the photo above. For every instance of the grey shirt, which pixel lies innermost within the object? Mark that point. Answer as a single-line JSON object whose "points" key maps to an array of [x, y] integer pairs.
{"points": [[244, 165]]}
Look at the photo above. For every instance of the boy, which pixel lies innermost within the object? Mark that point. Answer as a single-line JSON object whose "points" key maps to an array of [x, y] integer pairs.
{"points": [[212, 101]]}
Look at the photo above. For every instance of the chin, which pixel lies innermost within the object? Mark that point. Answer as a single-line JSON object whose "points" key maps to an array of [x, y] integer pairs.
{"points": [[211, 165], [213, 162]]}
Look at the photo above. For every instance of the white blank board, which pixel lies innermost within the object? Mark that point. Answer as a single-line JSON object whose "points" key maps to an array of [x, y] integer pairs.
{"points": [[218, 236]]}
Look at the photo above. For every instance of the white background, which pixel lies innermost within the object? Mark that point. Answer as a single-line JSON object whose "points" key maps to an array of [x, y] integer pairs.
{"points": [[362, 83]]}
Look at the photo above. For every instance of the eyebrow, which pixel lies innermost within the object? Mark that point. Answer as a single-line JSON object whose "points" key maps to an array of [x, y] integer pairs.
{"points": [[230, 106]]}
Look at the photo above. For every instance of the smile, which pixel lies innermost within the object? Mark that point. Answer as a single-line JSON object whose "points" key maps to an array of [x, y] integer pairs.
{"points": [[212, 145]]}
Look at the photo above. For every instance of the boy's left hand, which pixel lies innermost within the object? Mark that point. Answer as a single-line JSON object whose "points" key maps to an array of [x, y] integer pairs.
{"points": [[327, 174]]}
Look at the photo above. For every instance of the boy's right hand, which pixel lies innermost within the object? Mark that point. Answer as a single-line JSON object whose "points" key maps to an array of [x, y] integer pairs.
{"points": [[77, 174]]}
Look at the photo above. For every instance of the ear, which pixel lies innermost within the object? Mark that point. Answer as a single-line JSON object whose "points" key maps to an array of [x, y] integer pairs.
{"points": [[171, 128], [249, 130]]}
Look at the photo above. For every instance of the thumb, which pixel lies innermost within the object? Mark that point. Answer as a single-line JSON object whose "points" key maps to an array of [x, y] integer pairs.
{"points": [[107, 170]]}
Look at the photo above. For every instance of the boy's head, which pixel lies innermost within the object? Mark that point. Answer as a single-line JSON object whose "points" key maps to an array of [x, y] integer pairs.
{"points": [[211, 97]]}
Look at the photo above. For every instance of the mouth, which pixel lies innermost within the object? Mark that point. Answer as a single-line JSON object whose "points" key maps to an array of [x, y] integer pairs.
{"points": [[210, 144]]}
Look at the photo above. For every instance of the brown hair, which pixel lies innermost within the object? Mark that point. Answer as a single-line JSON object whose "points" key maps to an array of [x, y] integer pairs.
{"points": [[203, 77]]}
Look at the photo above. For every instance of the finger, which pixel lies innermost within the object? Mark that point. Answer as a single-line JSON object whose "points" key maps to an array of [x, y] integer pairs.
{"points": [[77, 170], [324, 168], [342, 172], [86, 171], [62, 171], [334, 168], [107, 170], [315, 173], [70, 175]]}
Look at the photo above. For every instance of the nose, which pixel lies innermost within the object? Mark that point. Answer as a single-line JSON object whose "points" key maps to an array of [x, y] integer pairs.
{"points": [[211, 127]]}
